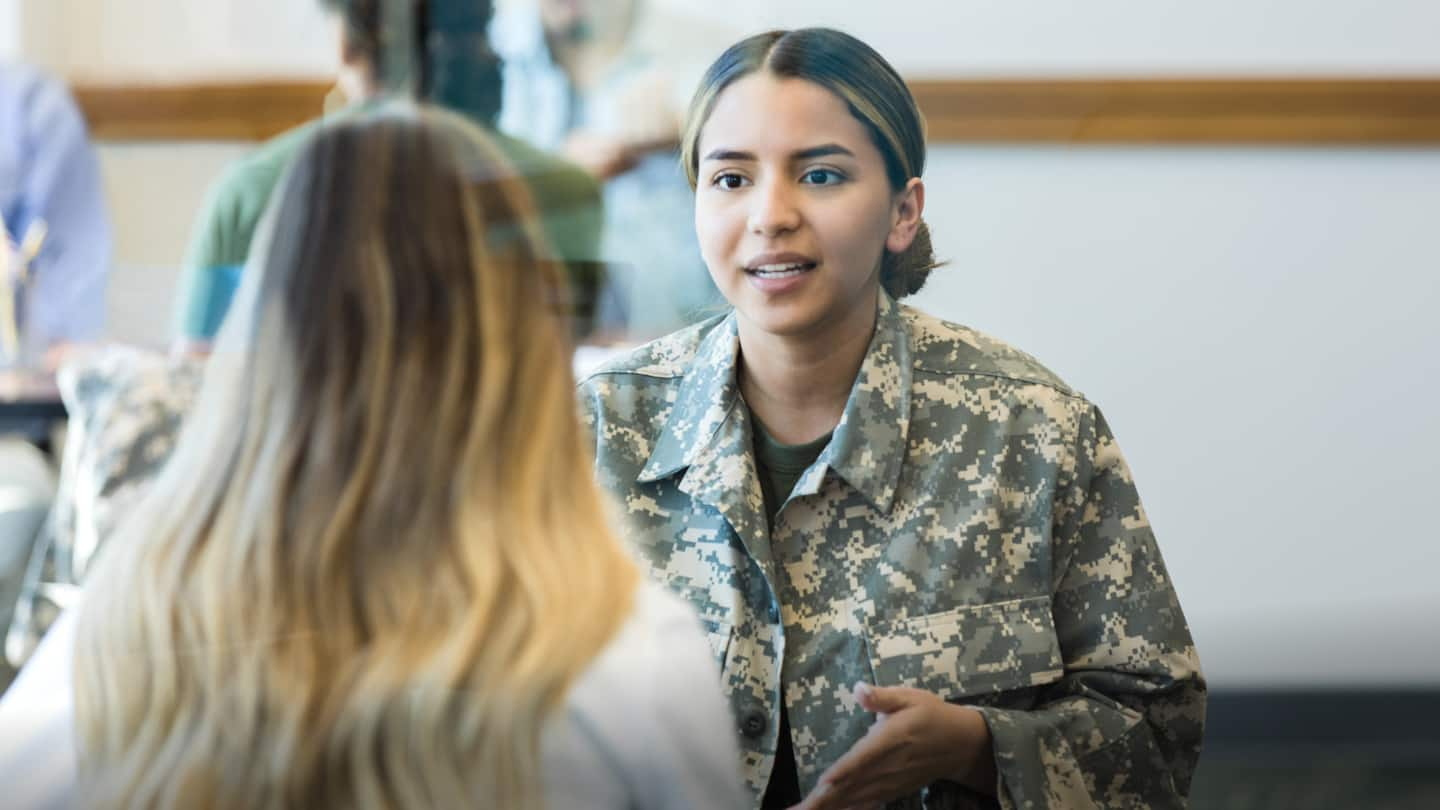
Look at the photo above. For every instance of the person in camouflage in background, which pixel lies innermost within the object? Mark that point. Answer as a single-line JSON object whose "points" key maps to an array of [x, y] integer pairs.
{"points": [[925, 570]]}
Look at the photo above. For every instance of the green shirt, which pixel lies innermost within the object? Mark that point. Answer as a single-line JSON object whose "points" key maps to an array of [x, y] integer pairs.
{"points": [[567, 197], [780, 465]]}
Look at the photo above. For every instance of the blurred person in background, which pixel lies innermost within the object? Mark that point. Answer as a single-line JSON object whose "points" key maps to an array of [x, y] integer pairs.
{"points": [[50, 185], [436, 50], [54, 224], [604, 83], [373, 575], [923, 553]]}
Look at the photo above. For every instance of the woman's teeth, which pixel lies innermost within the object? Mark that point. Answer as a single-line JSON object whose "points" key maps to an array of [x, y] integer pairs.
{"points": [[780, 270]]}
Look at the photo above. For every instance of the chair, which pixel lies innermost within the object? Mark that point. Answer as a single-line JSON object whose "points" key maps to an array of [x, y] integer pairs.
{"points": [[126, 407]]}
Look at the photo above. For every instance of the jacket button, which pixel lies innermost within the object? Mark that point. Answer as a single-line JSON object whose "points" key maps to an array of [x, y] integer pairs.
{"points": [[753, 724]]}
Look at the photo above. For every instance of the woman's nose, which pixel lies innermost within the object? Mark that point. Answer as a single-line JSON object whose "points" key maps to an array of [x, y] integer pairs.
{"points": [[773, 210]]}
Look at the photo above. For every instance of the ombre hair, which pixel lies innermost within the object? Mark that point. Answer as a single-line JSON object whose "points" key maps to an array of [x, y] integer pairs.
{"points": [[377, 560], [871, 89]]}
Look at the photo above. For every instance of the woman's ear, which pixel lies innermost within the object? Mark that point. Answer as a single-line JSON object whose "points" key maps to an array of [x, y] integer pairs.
{"points": [[909, 207]]}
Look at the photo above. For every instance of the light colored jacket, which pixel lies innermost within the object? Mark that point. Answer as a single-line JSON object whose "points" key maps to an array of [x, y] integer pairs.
{"points": [[644, 728]]}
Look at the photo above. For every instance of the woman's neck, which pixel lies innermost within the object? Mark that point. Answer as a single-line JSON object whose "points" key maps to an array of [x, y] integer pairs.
{"points": [[798, 386], [356, 81]]}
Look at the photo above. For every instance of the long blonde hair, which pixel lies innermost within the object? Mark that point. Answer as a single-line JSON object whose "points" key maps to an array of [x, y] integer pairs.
{"points": [[377, 560]]}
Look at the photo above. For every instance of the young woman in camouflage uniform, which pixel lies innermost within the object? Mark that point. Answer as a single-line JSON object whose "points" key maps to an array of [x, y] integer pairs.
{"points": [[925, 570]]}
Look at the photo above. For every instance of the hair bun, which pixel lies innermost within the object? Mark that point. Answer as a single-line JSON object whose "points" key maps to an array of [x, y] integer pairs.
{"points": [[903, 274]]}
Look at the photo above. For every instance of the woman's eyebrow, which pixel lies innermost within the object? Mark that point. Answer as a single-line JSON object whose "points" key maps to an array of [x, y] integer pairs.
{"points": [[810, 153], [824, 150], [730, 154]]}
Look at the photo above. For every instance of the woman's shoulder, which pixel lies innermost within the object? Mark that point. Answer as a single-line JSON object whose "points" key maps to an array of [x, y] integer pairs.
{"points": [[660, 361], [557, 183], [666, 617], [243, 190], [33, 98], [641, 708], [660, 625], [947, 349]]}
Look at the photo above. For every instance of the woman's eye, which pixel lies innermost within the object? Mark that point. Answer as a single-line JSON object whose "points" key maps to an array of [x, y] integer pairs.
{"points": [[729, 182], [822, 177]]}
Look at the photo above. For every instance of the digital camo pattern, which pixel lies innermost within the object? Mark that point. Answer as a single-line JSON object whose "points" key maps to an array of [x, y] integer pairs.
{"points": [[971, 529], [125, 408]]}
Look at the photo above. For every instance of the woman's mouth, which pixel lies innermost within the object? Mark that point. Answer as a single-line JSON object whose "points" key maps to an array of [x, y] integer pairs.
{"points": [[779, 274], [778, 271]]}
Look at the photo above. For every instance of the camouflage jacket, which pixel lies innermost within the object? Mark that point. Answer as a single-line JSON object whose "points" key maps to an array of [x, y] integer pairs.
{"points": [[971, 529]]}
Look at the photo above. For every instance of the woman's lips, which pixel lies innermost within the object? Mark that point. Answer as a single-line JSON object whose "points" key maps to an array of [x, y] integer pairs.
{"points": [[779, 277]]}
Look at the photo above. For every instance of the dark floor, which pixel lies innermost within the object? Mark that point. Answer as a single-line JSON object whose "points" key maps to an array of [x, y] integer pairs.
{"points": [[1321, 749], [1318, 777], [1312, 751]]}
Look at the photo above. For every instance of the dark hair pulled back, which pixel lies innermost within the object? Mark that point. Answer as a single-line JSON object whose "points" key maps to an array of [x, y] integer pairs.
{"points": [[433, 50]]}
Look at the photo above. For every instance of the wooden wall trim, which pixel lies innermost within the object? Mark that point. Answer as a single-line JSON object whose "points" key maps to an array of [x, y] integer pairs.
{"points": [[1184, 111], [1339, 111], [229, 111]]}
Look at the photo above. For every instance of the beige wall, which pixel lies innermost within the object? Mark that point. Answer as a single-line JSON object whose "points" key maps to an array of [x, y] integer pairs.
{"points": [[1257, 323], [155, 192], [170, 39]]}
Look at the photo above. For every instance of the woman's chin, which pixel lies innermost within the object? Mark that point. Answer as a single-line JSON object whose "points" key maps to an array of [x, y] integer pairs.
{"points": [[785, 321]]}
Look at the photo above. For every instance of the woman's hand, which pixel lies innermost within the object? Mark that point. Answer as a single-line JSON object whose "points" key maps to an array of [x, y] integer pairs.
{"points": [[604, 157], [917, 739]]}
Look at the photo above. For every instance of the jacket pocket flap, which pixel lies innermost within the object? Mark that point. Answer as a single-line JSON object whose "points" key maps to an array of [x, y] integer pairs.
{"points": [[973, 650]]}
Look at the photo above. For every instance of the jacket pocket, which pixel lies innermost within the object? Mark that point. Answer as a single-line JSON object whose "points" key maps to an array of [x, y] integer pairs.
{"points": [[973, 651]]}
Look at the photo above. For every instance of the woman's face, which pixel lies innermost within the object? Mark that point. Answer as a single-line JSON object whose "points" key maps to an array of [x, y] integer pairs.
{"points": [[794, 209]]}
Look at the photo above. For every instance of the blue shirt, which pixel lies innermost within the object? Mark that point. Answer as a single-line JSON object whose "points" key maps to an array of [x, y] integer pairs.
{"points": [[49, 172]]}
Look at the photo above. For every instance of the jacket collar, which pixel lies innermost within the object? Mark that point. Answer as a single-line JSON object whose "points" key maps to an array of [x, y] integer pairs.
{"points": [[708, 431], [708, 435], [708, 392], [868, 447]]}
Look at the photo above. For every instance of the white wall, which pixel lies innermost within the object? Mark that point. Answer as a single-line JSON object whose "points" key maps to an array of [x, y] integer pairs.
{"points": [[9, 29], [176, 39], [943, 37], [155, 192], [1260, 329], [939, 37], [1258, 324]]}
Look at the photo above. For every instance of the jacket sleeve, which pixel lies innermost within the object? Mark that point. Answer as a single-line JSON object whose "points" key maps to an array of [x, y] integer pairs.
{"points": [[1123, 725]]}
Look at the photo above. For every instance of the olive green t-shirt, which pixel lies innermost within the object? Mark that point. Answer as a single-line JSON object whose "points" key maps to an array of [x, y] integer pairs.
{"points": [[780, 465], [567, 197]]}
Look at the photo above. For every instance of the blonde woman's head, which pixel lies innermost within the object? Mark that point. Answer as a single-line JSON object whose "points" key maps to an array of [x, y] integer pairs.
{"points": [[377, 560]]}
